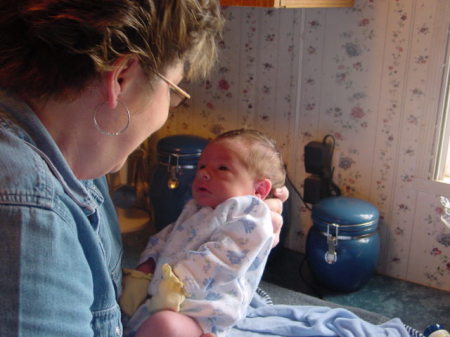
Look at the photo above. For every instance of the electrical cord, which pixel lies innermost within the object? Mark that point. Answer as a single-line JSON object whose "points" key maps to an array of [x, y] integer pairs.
{"points": [[314, 289], [333, 189], [297, 192]]}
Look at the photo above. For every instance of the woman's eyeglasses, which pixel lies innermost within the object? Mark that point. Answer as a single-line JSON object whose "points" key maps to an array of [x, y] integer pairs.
{"points": [[177, 95]]}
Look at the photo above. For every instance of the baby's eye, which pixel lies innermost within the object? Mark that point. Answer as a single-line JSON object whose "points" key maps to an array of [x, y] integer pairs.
{"points": [[223, 168], [201, 166]]}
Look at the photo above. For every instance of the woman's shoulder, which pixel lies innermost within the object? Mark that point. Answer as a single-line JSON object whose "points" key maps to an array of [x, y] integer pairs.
{"points": [[23, 173]]}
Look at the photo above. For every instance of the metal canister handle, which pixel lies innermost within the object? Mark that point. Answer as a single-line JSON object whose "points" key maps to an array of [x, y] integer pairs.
{"points": [[172, 182], [332, 241]]}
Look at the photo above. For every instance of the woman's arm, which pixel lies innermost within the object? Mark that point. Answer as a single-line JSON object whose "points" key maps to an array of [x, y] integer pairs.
{"points": [[45, 280], [276, 206]]}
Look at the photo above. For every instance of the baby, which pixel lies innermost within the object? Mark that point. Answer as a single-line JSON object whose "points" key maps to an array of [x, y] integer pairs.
{"points": [[208, 264]]}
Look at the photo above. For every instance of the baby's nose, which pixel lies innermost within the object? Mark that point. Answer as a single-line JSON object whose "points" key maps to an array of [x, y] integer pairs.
{"points": [[203, 174]]}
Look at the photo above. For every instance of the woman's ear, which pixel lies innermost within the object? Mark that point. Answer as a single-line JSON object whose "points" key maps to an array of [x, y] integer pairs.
{"points": [[118, 78], [262, 188]]}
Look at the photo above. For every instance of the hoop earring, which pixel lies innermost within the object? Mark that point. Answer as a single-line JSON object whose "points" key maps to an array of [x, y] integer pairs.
{"points": [[115, 133]]}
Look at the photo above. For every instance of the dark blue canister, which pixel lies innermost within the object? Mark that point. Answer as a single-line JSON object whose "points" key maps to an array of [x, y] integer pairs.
{"points": [[343, 245], [171, 184]]}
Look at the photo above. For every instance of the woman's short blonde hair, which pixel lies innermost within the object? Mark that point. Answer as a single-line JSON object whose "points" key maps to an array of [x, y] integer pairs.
{"points": [[262, 156], [55, 47]]}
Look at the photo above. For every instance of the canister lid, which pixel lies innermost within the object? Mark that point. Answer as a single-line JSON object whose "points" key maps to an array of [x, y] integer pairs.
{"points": [[429, 330], [351, 214], [180, 149]]}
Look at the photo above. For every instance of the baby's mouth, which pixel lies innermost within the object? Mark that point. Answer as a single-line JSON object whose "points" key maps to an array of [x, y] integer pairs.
{"points": [[202, 189]]}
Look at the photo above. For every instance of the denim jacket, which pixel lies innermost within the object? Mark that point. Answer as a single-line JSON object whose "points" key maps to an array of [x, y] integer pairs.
{"points": [[60, 255]]}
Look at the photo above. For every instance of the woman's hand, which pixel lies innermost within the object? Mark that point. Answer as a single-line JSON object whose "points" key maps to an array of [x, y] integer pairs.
{"points": [[276, 206]]}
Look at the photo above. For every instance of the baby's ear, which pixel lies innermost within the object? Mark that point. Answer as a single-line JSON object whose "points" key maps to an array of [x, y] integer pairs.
{"points": [[262, 188]]}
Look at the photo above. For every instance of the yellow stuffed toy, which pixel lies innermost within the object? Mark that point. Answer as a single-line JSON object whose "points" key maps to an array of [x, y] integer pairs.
{"points": [[171, 293]]}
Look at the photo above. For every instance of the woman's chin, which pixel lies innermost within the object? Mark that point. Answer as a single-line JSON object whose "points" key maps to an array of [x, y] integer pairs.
{"points": [[117, 167]]}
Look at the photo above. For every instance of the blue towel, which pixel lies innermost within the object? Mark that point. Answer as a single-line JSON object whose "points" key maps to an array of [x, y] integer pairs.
{"points": [[265, 320]]}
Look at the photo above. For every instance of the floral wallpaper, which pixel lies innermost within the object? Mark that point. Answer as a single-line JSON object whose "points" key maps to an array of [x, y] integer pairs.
{"points": [[361, 74]]}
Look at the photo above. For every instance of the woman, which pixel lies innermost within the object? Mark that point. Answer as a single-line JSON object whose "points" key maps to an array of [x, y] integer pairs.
{"points": [[84, 82]]}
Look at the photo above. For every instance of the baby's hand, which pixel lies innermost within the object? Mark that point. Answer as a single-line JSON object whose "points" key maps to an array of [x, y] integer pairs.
{"points": [[170, 293], [147, 267]]}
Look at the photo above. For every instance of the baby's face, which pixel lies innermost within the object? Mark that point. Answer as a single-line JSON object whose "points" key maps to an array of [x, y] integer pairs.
{"points": [[222, 173]]}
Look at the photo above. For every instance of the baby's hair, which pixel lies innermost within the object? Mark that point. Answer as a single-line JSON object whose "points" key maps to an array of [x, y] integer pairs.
{"points": [[263, 157]]}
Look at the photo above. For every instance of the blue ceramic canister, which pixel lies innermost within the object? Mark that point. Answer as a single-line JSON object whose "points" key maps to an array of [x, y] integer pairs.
{"points": [[170, 187], [343, 245]]}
